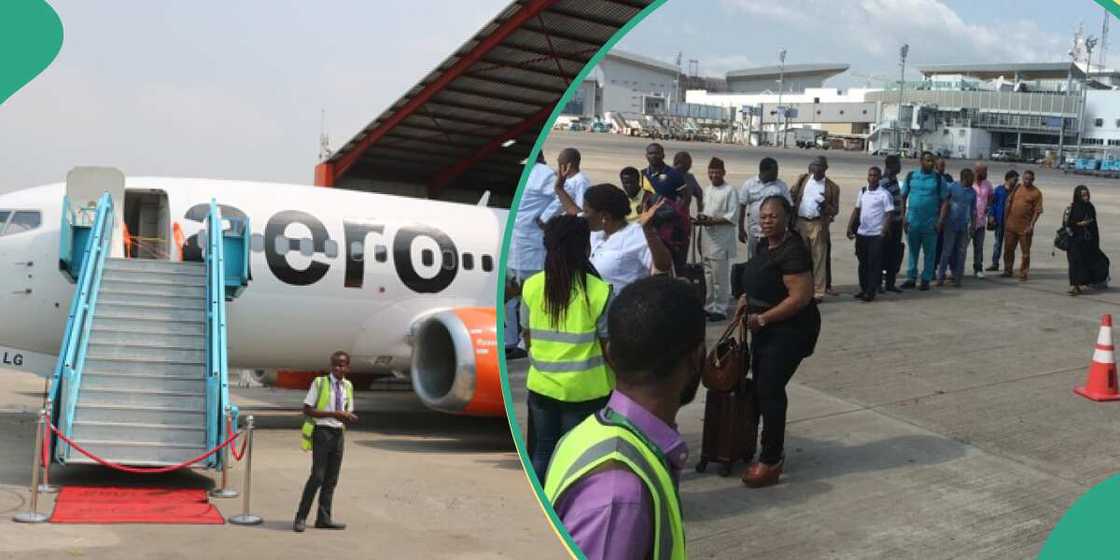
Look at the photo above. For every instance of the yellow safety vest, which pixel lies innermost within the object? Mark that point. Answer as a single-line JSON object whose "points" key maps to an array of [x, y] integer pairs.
{"points": [[324, 385], [566, 362], [596, 441]]}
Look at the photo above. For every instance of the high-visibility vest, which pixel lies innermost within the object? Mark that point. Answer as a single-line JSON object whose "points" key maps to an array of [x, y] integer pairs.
{"points": [[599, 439], [324, 385], [566, 362]]}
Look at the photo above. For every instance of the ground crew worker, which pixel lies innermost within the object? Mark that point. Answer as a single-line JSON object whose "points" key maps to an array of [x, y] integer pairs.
{"points": [[613, 480], [329, 403], [563, 320]]}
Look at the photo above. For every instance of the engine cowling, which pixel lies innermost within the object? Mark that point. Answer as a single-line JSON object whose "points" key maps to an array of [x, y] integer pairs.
{"points": [[455, 366]]}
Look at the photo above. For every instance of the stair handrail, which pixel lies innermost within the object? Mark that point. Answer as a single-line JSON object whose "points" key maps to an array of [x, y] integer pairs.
{"points": [[246, 251], [217, 396], [72, 353], [66, 236]]}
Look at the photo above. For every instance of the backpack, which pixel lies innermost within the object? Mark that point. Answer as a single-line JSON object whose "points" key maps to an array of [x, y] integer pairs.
{"points": [[940, 182]]}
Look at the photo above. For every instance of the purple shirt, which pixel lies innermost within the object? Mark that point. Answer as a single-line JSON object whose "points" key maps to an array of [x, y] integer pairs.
{"points": [[610, 513]]}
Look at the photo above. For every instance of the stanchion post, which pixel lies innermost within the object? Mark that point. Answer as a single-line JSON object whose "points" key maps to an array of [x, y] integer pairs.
{"points": [[246, 518], [46, 487], [34, 516], [224, 491]]}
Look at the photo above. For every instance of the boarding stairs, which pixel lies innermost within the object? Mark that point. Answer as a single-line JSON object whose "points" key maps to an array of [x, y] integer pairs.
{"points": [[142, 376]]}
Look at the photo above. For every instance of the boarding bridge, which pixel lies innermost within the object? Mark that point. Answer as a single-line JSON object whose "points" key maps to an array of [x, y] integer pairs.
{"points": [[142, 374]]}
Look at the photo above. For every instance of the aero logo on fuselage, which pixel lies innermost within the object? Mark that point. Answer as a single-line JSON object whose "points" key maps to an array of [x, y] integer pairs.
{"points": [[321, 249]]}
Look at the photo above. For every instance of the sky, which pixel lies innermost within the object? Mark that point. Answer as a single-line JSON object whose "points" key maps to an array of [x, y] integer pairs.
{"points": [[234, 90], [221, 89], [728, 35]]}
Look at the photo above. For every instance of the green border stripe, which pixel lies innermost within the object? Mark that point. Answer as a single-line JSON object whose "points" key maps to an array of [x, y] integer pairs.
{"points": [[1113, 6], [514, 427]]}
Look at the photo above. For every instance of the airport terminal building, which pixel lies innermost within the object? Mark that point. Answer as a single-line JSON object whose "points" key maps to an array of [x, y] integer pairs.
{"points": [[1027, 110], [974, 111], [812, 110], [640, 95]]}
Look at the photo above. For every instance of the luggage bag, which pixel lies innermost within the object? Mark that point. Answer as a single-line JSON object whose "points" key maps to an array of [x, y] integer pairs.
{"points": [[730, 428]]}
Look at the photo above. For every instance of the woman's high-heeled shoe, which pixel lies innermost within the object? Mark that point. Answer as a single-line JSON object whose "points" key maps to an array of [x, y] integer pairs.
{"points": [[761, 475]]}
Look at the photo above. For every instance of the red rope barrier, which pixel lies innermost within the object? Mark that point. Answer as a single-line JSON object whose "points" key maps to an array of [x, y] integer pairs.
{"points": [[140, 470], [233, 450]]}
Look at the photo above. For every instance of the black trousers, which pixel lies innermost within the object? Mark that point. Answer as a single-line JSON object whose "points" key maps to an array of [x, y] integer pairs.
{"points": [[326, 462], [869, 251], [892, 254], [774, 359], [549, 420]]}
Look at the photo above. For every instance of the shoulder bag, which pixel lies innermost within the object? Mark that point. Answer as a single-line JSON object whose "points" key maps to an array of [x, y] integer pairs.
{"points": [[729, 362], [1064, 235]]}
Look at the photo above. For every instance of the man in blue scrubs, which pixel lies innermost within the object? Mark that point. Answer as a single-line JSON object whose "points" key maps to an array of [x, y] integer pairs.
{"points": [[925, 203]]}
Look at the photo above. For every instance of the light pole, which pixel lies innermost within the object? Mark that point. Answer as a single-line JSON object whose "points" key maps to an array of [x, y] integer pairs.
{"points": [[781, 86], [1069, 87], [905, 50], [1089, 44]]}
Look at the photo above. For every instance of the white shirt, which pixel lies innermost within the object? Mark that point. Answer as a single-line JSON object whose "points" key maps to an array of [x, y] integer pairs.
{"points": [[873, 208], [313, 399], [621, 258], [575, 186], [526, 250], [751, 195], [719, 241], [811, 199]]}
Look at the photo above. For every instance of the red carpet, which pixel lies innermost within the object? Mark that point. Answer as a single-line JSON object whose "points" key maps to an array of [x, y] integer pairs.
{"points": [[95, 505]]}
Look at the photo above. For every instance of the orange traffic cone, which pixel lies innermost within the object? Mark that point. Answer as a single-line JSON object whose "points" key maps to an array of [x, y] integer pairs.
{"points": [[1101, 385]]}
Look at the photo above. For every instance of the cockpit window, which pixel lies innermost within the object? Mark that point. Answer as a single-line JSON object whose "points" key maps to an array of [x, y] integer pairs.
{"points": [[12, 223]]}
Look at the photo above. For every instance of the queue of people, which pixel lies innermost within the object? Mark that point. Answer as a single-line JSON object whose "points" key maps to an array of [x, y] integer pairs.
{"points": [[616, 345]]}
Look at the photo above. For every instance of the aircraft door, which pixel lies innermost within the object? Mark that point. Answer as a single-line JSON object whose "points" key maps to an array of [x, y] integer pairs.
{"points": [[147, 224], [84, 186]]}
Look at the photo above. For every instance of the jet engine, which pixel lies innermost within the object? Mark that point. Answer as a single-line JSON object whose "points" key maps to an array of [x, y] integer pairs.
{"points": [[455, 365]]}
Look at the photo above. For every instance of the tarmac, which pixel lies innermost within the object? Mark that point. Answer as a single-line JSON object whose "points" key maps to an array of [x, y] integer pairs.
{"points": [[415, 484], [927, 425]]}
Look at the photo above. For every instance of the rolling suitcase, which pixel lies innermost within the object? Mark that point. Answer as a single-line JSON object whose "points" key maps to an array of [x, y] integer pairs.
{"points": [[730, 428]]}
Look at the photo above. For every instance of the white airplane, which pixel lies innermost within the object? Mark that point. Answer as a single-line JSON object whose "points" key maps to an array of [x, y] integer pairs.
{"points": [[405, 285]]}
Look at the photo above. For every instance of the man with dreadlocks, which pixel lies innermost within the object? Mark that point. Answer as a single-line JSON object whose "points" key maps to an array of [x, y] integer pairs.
{"points": [[563, 317]]}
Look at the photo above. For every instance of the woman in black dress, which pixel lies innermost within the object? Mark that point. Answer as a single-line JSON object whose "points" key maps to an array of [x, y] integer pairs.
{"points": [[1088, 266], [777, 304]]}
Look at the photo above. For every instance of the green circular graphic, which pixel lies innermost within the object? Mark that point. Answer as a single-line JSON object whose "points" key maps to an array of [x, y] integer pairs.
{"points": [[1085, 531], [30, 38]]}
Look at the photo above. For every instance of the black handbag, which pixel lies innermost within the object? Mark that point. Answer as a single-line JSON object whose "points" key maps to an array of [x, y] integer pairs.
{"points": [[1062, 239], [1064, 236]]}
